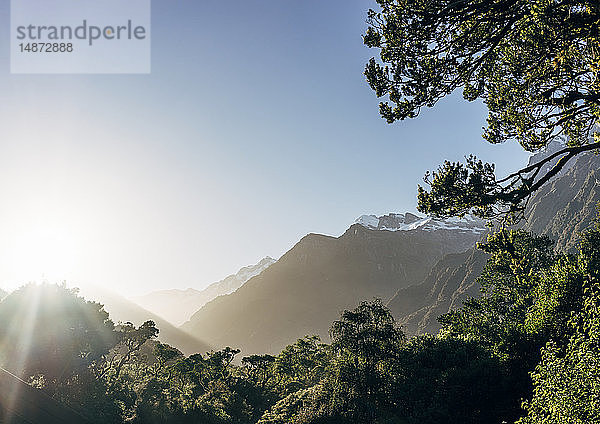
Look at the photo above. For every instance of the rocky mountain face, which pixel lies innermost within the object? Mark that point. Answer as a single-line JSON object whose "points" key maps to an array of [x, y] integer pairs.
{"points": [[409, 221], [567, 205], [561, 209], [304, 291], [449, 283], [177, 306]]}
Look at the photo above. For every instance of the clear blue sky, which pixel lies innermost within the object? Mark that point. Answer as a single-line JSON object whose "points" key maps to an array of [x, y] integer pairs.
{"points": [[254, 128]]}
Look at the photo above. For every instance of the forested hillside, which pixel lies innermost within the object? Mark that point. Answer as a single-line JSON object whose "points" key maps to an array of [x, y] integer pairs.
{"points": [[122, 310], [370, 372], [562, 210]]}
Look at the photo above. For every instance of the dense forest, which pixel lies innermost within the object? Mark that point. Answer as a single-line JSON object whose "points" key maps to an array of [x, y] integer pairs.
{"points": [[526, 351]]}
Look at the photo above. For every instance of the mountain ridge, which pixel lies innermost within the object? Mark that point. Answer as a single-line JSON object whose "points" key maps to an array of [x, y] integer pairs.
{"points": [[177, 306], [561, 209], [304, 291]]}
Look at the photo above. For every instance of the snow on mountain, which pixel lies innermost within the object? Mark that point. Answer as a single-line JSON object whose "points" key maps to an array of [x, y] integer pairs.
{"points": [[322, 275], [409, 222], [234, 282]]}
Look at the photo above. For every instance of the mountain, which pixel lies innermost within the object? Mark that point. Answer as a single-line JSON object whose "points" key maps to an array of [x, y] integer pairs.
{"points": [[561, 209], [2, 294], [422, 267], [122, 310], [409, 221], [567, 205], [449, 283], [304, 291], [177, 306]]}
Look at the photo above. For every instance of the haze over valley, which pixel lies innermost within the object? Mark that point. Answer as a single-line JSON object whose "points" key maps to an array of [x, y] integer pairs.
{"points": [[309, 212]]}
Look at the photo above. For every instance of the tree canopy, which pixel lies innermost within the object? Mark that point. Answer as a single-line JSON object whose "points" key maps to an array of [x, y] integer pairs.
{"points": [[534, 63]]}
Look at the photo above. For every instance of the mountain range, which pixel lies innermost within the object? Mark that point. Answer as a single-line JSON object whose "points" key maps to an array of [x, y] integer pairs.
{"points": [[304, 291], [568, 204], [421, 267], [177, 306]]}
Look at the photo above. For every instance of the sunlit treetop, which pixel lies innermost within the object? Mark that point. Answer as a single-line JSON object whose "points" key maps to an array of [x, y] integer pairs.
{"points": [[534, 63]]}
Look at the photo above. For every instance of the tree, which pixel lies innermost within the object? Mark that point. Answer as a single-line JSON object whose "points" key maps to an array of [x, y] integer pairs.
{"points": [[80, 334], [534, 63], [259, 368], [567, 379], [364, 343], [497, 319], [353, 383], [529, 294], [301, 364], [130, 342], [449, 380], [55, 339]]}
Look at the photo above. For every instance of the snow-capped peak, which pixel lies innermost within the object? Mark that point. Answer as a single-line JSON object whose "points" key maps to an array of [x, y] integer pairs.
{"points": [[409, 221], [248, 272]]}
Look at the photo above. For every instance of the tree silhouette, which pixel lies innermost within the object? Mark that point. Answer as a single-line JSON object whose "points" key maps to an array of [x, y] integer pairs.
{"points": [[534, 63]]}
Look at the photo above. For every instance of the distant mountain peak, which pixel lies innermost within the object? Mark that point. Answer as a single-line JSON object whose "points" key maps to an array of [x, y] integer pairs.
{"points": [[410, 222], [177, 306], [554, 146]]}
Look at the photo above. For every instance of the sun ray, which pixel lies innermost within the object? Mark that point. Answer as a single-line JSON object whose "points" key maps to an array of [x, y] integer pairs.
{"points": [[19, 338]]}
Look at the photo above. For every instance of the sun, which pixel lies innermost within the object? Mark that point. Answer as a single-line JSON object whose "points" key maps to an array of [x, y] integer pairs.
{"points": [[43, 253]]}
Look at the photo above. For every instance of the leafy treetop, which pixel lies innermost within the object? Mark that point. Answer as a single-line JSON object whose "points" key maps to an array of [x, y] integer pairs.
{"points": [[534, 63]]}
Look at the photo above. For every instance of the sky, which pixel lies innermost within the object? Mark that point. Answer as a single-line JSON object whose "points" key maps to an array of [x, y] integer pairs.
{"points": [[254, 128]]}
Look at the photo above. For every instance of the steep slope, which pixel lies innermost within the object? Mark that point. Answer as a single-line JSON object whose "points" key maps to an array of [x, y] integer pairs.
{"points": [[177, 306], [123, 310], [567, 205], [450, 282], [562, 209], [307, 288]]}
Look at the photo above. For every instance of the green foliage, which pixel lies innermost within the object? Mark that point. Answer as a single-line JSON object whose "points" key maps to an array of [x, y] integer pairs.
{"points": [[301, 365], [530, 294], [449, 381], [57, 341], [305, 406], [567, 380], [364, 344], [375, 376], [80, 334], [351, 380], [534, 63], [518, 262], [539, 310], [457, 188]]}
